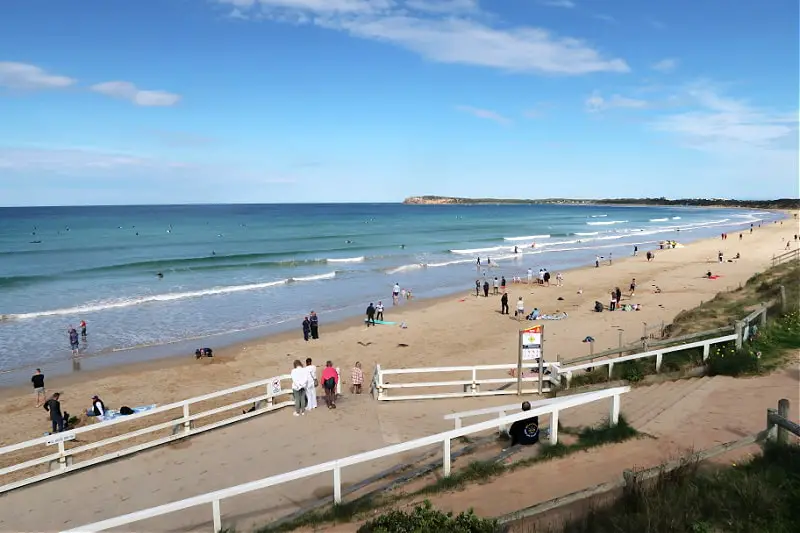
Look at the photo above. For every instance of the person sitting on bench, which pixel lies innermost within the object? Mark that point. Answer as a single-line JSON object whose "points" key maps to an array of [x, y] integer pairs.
{"points": [[525, 432]]}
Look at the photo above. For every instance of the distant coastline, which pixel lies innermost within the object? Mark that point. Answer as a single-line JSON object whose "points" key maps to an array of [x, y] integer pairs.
{"points": [[780, 203]]}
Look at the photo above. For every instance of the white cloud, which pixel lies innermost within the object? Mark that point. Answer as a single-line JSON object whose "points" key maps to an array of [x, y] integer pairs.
{"points": [[448, 34], [719, 123], [485, 114], [566, 4], [25, 76], [596, 103], [128, 91], [69, 159], [665, 65], [605, 18]]}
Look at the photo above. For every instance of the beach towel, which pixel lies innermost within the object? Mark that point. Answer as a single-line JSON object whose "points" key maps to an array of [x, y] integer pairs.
{"points": [[111, 414], [714, 277], [557, 316]]}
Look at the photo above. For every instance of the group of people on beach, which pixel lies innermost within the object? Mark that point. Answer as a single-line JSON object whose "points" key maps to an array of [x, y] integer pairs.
{"points": [[305, 383], [74, 342]]}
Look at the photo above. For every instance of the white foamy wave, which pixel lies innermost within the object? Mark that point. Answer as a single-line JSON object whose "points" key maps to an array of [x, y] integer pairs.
{"points": [[659, 219], [529, 238], [599, 216], [479, 250], [448, 263], [587, 234], [345, 259], [607, 222], [317, 277], [676, 218], [405, 268], [168, 297]]}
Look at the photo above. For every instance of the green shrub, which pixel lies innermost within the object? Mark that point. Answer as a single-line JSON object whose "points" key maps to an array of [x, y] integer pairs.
{"points": [[633, 371], [424, 519], [725, 360]]}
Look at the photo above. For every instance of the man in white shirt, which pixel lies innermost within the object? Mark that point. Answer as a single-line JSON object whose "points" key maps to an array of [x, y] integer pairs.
{"points": [[379, 311], [395, 293], [496, 287]]}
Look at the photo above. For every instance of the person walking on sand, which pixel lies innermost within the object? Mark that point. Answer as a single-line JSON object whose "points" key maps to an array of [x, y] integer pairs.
{"points": [[38, 387], [379, 311], [370, 315], [73, 340], [356, 379], [300, 378], [520, 312], [53, 406], [311, 391], [559, 279], [313, 321], [504, 303], [306, 328], [633, 287], [330, 378]]}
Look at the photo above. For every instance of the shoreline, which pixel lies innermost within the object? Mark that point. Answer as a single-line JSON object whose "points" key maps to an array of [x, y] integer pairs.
{"points": [[180, 353]]}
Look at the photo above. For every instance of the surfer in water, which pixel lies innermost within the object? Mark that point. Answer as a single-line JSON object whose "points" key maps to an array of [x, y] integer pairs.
{"points": [[160, 275]]}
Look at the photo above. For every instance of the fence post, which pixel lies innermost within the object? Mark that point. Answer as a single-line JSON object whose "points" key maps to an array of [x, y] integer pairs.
{"points": [[610, 369], [458, 423], [613, 419], [739, 330], [338, 382], [446, 457], [474, 386], [659, 358], [706, 350], [337, 483], [62, 456], [783, 410], [270, 399], [217, 516], [554, 427], [764, 317], [771, 426], [187, 424], [783, 298]]}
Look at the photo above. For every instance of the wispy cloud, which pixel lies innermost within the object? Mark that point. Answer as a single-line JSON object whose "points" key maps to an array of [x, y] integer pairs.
{"points": [[487, 114], [126, 90], [605, 18], [718, 122], [566, 4], [596, 103], [448, 33], [23, 76], [665, 65]]}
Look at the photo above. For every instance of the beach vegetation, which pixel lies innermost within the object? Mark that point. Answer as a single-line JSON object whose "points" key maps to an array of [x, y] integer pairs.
{"points": [[761, 494], [424, 517]]}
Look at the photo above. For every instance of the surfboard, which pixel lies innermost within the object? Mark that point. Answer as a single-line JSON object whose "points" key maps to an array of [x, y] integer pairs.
{"points": [[385, 323]]}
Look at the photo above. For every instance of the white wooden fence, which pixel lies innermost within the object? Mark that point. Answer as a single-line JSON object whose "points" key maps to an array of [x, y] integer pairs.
{"points": [[658, 354], [501, 411], [470, 384], [443, 439]]}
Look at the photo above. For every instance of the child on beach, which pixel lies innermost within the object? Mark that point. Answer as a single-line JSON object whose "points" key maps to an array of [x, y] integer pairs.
{"points": [[356, 379]]}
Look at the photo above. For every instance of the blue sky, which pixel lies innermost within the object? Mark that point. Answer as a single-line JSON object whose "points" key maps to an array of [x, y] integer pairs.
{"points": [[182, 101]]}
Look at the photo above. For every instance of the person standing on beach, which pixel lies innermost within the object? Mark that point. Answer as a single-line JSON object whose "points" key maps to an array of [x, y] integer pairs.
{"points": [[635, 250], [300, 379], [73, 340], [633, 287], [83, 330], [330, 378], [395, 293], [559, 279], [496, 286], [546, 277], [504, 303], [530, 276], [618, 294], [379, 311], [719, 256], [53, 406], [486, 289], [306, 328], [370, 315], [649, 256], [477, 287], [311, 390], [503, 284], [38, 386], [597, 261], [356, 379], [612, 303], [313, 321], [520, 312]]}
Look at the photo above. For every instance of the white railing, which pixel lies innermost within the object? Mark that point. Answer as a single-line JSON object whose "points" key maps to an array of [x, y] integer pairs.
{"points": [[470, 386], [443, 439], [659, 353], [501, 411], [62, 461]]}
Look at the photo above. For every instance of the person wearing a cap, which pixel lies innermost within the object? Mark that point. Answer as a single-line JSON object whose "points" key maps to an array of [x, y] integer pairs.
{"points": [[98, 407]]}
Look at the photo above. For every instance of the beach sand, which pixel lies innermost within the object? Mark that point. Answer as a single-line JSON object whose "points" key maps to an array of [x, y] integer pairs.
{"points": [[455, 330]]}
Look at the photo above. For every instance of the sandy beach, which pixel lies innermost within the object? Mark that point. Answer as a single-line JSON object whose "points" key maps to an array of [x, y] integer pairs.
{"points": [[458, 329]]}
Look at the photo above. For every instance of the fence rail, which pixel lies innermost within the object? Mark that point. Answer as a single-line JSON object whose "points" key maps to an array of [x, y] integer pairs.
{"points": [[470, 386], [443, 439], [791, 255]]}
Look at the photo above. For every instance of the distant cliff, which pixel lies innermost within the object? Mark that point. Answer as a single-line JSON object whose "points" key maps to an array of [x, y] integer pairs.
{"points": [[781, 203]]}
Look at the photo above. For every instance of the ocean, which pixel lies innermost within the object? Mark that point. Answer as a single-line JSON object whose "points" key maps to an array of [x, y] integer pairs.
{"points": [[232, 272]]}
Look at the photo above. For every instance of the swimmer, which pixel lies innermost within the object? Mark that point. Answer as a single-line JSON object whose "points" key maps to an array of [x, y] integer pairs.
{"points": [[160, 275]]}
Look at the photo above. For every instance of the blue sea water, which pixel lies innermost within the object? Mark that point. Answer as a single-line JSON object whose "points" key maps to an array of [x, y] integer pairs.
{"points": [[260, 268]]}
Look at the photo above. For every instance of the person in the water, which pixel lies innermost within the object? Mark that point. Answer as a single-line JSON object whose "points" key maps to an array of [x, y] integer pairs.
{"points": [[160, 275]]}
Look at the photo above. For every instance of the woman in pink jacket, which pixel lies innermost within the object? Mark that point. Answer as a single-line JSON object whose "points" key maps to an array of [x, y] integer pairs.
{"points": [[330, 378]]}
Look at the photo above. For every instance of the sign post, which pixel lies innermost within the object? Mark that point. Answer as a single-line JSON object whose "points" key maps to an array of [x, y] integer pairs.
{"points": [[530, 349]]}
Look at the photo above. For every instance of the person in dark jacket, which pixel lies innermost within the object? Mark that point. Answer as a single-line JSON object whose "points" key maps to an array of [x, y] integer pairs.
{"points": [[504, 304], [98, 407], [486, 289], [525, 432], [314, 323], [306, 328], [370, 314], [53, 406]]}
